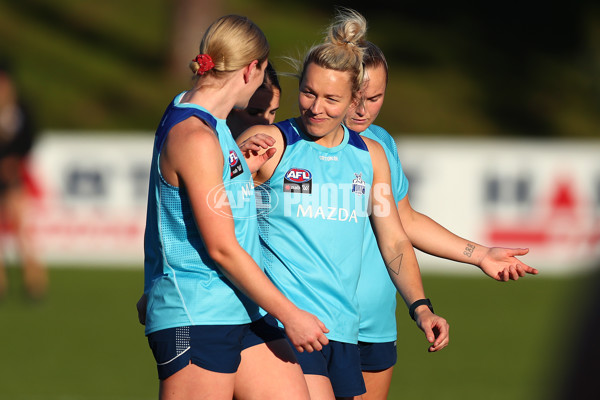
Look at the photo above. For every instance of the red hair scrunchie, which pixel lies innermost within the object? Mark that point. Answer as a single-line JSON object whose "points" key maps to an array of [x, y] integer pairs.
{"points": [[205, 63]]}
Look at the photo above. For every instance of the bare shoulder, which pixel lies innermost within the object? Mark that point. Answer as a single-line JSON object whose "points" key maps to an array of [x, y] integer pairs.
{"points": [[376, 150], [193, 132], [191, 146], [270, 130]]}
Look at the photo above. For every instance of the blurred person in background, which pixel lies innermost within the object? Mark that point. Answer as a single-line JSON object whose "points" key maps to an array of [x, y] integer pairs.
{"points": [[206, 299], [17, 134], [262, 107], [376, 293]]}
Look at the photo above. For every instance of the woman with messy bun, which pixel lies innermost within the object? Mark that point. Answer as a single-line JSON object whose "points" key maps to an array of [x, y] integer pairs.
{"points": [[206, 297], [317, 191]]}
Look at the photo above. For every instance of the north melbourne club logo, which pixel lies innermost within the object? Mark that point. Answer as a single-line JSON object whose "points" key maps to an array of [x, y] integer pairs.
{"points": [[358, 185]]}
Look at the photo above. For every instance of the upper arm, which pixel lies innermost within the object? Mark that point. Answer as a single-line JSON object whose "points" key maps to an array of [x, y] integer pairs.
{"points": [[265, 172], [384, 217], [193, 155]]}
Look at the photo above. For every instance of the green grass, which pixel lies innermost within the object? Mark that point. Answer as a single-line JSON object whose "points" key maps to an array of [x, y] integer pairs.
{"points": [[84, 341]]}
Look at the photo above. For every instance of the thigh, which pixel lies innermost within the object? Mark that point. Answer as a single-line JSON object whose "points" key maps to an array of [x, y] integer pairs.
{"points": [[195, 383], [270, 371], [319, 387], [378, 384]]}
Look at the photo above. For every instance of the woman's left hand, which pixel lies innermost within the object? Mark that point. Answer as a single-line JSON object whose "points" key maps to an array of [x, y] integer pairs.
{"points": [[257, 150]]}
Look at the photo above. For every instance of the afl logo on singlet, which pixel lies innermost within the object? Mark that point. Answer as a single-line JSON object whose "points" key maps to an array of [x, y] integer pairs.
{"points": [[235, 166], [297, 180]]}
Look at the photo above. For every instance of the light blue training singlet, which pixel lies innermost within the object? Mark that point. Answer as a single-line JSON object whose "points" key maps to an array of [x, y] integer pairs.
{"points": [[183, 284], [376, 292], [312, 237]]}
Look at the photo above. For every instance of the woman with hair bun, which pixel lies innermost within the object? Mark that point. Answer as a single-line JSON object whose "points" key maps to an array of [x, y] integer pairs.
{"points": [[319, 186], [376, 294], [206, 297]]}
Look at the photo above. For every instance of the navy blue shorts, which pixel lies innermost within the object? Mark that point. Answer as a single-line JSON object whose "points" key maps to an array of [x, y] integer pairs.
{"points": [[264, 330], [338, 361], [377, 356], [216, 348]]}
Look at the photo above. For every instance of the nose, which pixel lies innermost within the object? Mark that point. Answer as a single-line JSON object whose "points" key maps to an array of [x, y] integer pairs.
{"points": [[315, 107], [361, 110]]}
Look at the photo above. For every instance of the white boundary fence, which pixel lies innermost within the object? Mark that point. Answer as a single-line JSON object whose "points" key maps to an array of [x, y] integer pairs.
{"points": [[91, 197]]}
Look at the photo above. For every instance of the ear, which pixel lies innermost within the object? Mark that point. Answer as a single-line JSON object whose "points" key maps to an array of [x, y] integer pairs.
{"points": [[249, 69]]}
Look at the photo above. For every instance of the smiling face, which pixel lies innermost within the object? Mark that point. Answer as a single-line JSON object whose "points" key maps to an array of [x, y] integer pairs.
{"points": [[325, 96], [363, 113]]}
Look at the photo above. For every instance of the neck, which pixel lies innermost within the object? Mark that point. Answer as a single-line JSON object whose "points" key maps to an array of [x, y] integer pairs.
{"points": [[217, 97], [331, 139]]}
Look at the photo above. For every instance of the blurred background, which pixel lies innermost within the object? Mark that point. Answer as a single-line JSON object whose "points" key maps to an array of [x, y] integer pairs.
{"points": [[495, 111]]}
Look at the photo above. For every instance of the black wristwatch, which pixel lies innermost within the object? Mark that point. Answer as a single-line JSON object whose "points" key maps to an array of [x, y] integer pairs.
{"points": [[422, 302]]}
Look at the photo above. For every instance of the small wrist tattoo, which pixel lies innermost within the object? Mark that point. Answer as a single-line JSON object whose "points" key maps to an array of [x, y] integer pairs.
{"points": [[469, 250]]}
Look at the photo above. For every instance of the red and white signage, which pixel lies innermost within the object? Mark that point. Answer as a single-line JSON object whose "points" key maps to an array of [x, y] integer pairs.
{"points": [[90, 193]]}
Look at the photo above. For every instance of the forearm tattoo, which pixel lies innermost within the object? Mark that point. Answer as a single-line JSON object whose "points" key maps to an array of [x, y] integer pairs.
{"points": [[469, 250], [394, 265]]}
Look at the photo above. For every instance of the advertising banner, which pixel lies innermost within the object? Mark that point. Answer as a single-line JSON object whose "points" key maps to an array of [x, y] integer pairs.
{"points": [[89, 193]]}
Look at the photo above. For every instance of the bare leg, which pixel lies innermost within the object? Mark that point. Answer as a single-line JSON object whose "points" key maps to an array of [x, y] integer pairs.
{"points": [[34, 273], [378, 384], [195, 383], [270, 371], [319, 387]]}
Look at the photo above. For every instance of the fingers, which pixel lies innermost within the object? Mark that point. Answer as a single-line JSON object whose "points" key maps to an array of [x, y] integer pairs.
{"points": [[503, 275], [323, 328], [429, 335], [529, 270], [313, 345], [514, 272], [323, 340], [257, 142], [441, 331], [310, 337], [517, 252], [300, 349], [269, 153]]}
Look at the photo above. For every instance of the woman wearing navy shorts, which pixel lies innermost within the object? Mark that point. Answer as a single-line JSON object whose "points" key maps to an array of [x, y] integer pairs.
{"points": [[318, 188], [376, 292], [207, 297]]}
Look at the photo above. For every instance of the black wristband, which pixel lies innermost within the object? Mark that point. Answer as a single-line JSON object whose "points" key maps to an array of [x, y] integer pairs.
{"points": [[422, 302]]}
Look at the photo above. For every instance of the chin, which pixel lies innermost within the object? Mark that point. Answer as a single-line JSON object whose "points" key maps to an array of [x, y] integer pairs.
{"points": [[358, 127]]}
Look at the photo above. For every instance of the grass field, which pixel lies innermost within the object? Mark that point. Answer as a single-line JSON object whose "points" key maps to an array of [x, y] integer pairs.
{"points": [[84, 342]]}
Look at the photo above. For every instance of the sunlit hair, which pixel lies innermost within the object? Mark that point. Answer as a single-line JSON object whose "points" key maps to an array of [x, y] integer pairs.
{"points": [[374, 58], [232, 41], [343, 48]]}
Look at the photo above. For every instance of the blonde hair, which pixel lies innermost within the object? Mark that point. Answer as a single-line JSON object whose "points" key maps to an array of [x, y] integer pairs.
{"points": [[232, 41], [343, 48]]}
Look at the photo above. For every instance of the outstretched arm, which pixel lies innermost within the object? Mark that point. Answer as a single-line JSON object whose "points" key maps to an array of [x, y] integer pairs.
{"points": [[398, 253], [430, 237]]}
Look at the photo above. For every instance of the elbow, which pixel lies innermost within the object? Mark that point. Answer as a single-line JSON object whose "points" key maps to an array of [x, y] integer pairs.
{"points": [[220, 252]]}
